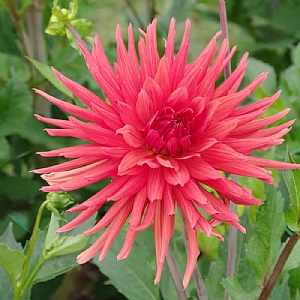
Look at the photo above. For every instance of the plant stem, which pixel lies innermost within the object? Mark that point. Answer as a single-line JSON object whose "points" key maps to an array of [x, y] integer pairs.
{"points": [[150, 10], [19, 289], [175, 275], [267, 289], [18, 20], [135, 14], [224, 27], [232, 230], [34, 22], [196, 273]]}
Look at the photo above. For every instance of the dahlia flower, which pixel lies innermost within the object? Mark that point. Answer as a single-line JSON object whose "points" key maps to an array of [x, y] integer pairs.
{"points": [[167, 134]]}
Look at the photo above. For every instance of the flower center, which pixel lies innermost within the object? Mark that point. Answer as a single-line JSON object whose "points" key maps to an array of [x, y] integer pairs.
{"points": [[168, 132]]}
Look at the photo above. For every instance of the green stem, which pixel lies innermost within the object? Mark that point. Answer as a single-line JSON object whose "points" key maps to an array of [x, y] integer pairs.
{"points": [[232, 240], [135, 14], [36, 37], [19, 289], [267, 289], [18, 20], [175, 275]]}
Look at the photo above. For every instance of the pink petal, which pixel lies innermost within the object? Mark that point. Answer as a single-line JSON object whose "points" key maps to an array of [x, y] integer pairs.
{"points": [[131, 159], [180, 177], [193, 253], [138, 207], [155, 184], [200, 169], [82, 217], [163, 230], [128, 243], [132, 136]]}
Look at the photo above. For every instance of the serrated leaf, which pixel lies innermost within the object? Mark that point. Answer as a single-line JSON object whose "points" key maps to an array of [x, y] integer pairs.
{"points": [[292, 180], [217, 272], [12, 262], [237, 292], [133, 277], [9, 239], [46, 71], [244, 284], [54, 267], [244, 272], [15, 106], [264, 246]]}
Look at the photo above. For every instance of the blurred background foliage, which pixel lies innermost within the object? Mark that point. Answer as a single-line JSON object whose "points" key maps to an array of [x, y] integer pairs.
{"points": [[268, 29]]}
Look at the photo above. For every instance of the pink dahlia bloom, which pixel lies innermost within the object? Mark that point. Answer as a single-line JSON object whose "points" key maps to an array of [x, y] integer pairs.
{"points": [[163, 139]]}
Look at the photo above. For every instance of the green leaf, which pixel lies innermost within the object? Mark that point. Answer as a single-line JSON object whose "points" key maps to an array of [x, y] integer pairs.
{"points": [[237, 292], [294, 281], [287, 18], [217, 272], [10, 62], [27, 188], [292, 180], [281, 290], [15, 106], [46, 71], [244, 272], [4, 150], [9, 239], [12, 262], [294, 259], [6, 287], [244, 284], [265, 244], [55, 254], [61, 244], [255, 68], [133, 277]]}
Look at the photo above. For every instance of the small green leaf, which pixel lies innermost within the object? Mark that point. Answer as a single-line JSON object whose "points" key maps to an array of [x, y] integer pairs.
{"points": [[265, 244], [292, 180], [12, 262], [61, 244], [133, 277], [46, 71]]}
